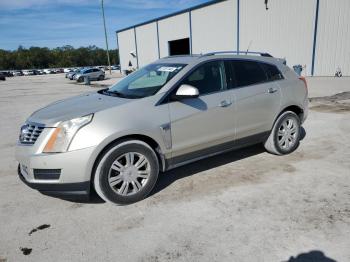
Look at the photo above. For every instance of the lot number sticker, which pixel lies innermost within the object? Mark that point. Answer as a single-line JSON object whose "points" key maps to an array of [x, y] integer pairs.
{"points": [[167, 69]]}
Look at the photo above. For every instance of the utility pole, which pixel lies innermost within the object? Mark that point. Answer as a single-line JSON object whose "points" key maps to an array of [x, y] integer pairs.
{"points": [[104, 25]]}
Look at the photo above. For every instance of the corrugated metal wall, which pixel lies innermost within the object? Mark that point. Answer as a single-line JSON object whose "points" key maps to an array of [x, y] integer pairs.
{"points": [[286, 29], [147, 43], [126, 41], [214, 27], [172, 28], [333, 38]]}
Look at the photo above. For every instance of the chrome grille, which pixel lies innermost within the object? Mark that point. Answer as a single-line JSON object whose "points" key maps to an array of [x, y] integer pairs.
{"points": [[30, 133]]}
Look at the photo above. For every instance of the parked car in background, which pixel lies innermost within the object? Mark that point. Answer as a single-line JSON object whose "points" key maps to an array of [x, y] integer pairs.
{"points": [[67, 70], [71, 75], [2, 76], [49, 71], [18, 73], [167, 114], [37, 72], [115, 67], [92, 73], [103, 68], [28, 72], [7, 73]]}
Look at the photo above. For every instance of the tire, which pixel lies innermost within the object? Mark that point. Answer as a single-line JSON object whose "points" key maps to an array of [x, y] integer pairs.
{"points": [[115, 180], [285, 134], [80, 79], [101, 77]]}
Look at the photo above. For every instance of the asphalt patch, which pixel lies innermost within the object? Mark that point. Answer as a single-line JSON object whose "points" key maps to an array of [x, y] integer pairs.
{"points": [[42, 227], [26, 251], [333, 98], [338, 103]]}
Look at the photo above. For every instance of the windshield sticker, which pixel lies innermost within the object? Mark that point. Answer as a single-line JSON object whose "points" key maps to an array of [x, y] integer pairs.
{"points": [[167, 69]]}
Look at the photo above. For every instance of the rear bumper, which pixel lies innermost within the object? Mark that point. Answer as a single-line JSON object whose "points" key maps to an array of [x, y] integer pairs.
{"points": [[67, 189], [305, 110]]}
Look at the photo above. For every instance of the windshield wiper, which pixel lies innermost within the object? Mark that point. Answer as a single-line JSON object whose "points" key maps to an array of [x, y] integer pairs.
{"points": [[115, 93], [112, 93]]}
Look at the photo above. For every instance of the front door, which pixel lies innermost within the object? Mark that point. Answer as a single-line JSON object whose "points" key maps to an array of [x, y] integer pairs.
{"points": [[203, 123]]}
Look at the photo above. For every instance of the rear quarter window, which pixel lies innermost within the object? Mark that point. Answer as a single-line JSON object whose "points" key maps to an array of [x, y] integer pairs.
{"points": [[248, 73], [272, 72]]}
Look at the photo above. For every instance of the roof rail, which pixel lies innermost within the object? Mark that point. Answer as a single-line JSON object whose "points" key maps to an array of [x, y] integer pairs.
{"points": [[239, 52], [174, 56]]}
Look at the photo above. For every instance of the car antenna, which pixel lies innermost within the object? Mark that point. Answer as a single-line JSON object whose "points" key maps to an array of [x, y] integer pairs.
{"points": [[250, 43], [266, 1]]}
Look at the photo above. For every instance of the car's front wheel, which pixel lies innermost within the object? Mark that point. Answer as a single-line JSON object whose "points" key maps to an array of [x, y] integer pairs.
{"points": [[101, 77], [285, 135], [127, 172]]}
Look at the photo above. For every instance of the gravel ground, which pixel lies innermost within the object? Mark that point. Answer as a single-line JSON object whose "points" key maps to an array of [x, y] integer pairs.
{"points": [[245, 205]]}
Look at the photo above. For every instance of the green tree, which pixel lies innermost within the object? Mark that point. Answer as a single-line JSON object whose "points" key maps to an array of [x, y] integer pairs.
{"points": [[65, 56]]}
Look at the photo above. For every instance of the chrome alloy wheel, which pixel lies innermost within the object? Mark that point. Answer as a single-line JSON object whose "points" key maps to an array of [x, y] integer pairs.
{"points": [[129, 173], [287, 133]]}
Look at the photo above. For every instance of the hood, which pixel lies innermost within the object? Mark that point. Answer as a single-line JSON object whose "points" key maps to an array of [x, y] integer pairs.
{"points": [[75, 107]]}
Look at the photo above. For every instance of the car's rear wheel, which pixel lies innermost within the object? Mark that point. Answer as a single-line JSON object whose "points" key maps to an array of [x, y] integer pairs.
{"points": [[285, 135], [127, 172]]}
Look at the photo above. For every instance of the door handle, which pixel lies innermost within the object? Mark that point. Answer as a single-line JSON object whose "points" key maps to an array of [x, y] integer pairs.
{"points": [[225, 103], [271, 90]]}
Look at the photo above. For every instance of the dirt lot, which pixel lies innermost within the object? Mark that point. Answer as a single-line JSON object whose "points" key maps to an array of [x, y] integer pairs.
{"points": [[246, 205]]}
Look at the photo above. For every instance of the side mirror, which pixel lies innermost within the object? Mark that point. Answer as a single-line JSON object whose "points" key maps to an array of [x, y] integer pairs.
{"points": [[186, 91]]}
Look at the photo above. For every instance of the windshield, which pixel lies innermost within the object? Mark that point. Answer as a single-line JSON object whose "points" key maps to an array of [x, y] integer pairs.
{"points": [[145, 82]]}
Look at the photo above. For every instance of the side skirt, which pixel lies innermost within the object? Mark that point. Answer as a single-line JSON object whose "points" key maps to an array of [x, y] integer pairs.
{"points": [[215, 150]]}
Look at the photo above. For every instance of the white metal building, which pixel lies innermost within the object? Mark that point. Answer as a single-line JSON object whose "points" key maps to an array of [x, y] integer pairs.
{"points": [[313, 33]]}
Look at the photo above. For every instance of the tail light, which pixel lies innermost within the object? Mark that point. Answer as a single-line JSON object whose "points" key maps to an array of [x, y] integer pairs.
{"points": [[304, 80]]}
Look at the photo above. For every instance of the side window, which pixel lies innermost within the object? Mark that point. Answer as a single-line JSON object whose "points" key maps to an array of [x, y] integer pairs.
{"points": [[208, 78], [272, 72], [248, 73]]}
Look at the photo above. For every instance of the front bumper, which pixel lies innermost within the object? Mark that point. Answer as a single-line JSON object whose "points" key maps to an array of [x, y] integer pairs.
{"points": [[54, 189], [74, 166]]}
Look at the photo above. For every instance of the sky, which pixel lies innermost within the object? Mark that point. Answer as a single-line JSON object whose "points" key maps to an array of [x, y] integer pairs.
{"points": [[54, 23]]}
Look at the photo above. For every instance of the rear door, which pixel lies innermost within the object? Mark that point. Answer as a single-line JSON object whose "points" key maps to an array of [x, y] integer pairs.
{"points": [[88, 73], [201, 125], [95, 73], [257, 98]]}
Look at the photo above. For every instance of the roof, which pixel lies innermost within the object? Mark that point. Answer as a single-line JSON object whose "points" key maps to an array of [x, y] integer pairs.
{"points": [[172, 14], [189, 59]]}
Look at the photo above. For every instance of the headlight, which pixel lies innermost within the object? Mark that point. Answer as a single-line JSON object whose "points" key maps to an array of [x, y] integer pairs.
{"points": [[63, 135]]}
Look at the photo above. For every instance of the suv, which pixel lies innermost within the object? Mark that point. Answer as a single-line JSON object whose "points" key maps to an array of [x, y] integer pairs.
{"points": [[172, 112], [92, 73]]}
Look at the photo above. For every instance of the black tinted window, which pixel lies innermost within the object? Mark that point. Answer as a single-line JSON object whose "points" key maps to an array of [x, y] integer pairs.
{"points": [[272, 72], [207, 78], [248, 73]]}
